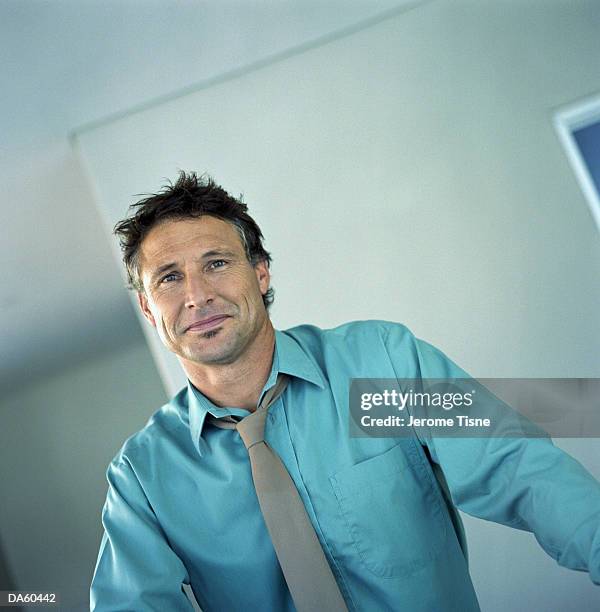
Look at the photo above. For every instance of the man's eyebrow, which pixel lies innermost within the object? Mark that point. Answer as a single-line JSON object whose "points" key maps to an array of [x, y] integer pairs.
{"points": [[218, 253]]}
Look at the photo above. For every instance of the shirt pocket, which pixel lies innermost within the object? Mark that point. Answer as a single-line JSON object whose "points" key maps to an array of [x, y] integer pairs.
{"points": [[392, 509]]}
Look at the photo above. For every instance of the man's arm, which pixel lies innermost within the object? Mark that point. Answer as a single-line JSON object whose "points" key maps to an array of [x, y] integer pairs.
{"points": [[526, 483], [136, 568]]}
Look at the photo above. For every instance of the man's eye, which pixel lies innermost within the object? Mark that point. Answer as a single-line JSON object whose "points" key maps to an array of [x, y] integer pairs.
{"points": [[218, 263], [168, 278]]}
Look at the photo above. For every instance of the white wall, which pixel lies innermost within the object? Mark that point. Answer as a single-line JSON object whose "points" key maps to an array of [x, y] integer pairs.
{"points": [[411, 172], [58, 436]]}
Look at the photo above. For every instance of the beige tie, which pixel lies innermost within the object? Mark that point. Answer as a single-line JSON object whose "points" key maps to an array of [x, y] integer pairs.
{"points": [[302, 560]]}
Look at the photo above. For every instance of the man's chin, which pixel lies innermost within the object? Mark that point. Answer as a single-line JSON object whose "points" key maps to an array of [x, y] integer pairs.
{"points": [[210, 334], [219, 354]]}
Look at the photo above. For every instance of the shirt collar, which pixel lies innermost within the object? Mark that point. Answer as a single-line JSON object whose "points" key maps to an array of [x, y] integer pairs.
{"points": [[288, 358]]}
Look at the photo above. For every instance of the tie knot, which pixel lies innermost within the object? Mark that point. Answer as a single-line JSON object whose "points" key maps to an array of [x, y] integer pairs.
{"points": [[252, 428]]}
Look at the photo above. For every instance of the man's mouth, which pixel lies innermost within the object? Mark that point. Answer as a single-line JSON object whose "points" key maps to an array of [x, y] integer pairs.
{"points": [[207, 323]]}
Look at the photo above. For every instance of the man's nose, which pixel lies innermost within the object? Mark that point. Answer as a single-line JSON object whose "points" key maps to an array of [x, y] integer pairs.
{"points": [[198, 291]]}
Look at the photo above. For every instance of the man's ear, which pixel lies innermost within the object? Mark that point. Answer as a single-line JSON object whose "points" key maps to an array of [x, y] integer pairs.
{"points": [[143, 302], [263, 276]]}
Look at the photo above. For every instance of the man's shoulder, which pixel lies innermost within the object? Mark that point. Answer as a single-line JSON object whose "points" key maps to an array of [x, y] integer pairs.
{"points": [[360, 349], [362, 330], [351, 342], [165, 428]]}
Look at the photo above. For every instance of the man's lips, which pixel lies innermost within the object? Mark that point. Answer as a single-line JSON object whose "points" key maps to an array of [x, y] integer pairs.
{"points": [[207, 323]]}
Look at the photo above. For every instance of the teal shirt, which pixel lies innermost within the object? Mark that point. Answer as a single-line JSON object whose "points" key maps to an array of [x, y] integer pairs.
{"points": [[181, 506]]}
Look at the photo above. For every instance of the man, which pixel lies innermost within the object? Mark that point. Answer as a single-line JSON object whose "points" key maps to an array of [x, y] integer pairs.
{"points": [[187, 503]]}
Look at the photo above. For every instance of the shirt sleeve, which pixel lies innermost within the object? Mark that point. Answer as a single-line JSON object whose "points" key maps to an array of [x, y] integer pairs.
{"points": [[136, 568], [526, 483]]}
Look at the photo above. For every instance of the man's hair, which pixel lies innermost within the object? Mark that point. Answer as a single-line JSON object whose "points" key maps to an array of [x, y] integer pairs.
{"points": [[190, 197]]}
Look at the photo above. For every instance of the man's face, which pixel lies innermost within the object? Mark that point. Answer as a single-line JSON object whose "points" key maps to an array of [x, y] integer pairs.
{"points": [[200, 291]]}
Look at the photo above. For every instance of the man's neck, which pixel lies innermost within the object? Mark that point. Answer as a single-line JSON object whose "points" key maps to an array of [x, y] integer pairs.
{"points": [[240, 383]]}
